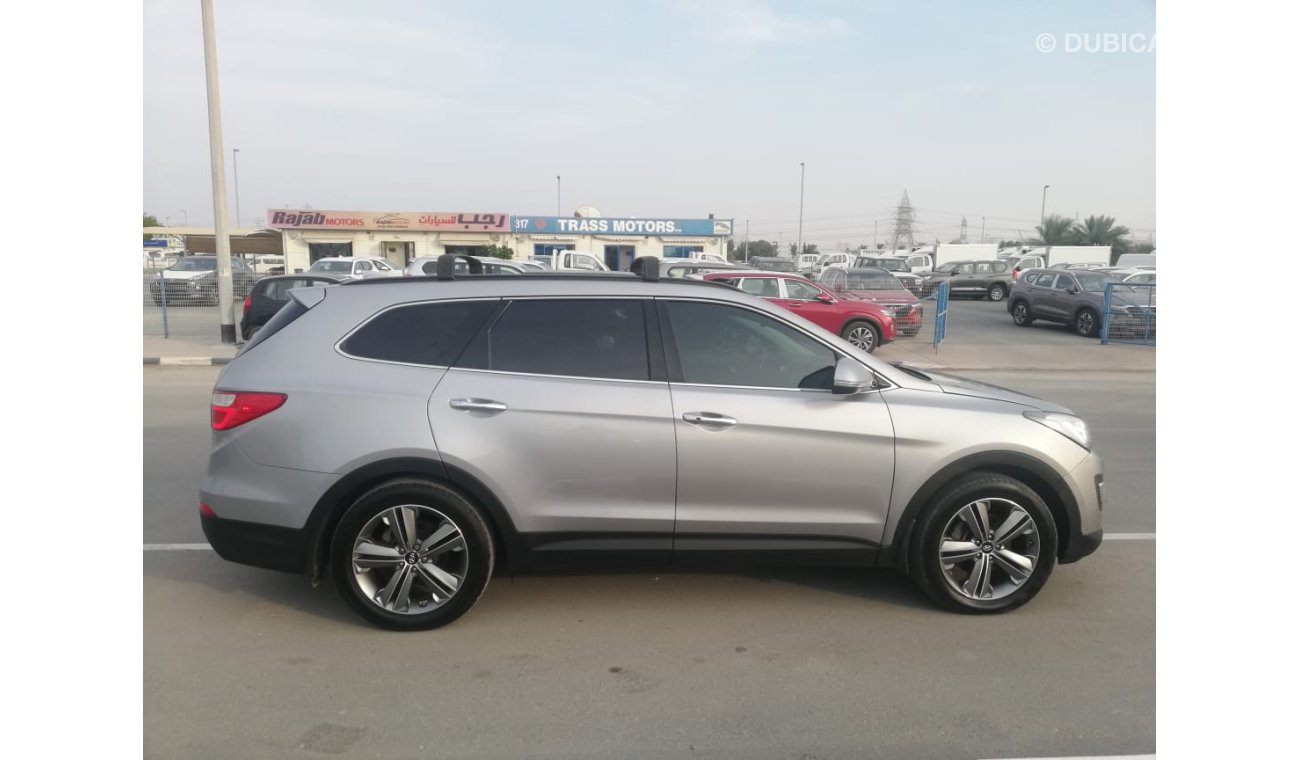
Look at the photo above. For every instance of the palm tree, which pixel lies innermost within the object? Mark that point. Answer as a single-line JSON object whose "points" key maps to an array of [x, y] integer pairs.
{"points": [[1056, 230], [1102, 230]]}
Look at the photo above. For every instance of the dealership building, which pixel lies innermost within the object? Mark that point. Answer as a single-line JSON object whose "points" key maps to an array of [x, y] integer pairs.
{"points": [[399, 236]]}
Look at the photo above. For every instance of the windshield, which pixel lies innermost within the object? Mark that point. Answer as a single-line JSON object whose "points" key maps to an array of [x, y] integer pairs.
{"points": [[331, 266], [890, 265], [860, 279], [205, 264]]}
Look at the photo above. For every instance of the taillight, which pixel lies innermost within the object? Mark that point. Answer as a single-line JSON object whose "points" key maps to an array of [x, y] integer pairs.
{"points": [[206, 511], [248, 301], [234, 408]]}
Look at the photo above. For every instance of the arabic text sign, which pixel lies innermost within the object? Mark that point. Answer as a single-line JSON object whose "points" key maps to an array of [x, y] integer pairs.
{"points": [[435, 221]]}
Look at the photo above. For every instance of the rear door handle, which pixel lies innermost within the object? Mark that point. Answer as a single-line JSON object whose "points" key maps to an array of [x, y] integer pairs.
{"points": [[709, 418], [477, 405]]}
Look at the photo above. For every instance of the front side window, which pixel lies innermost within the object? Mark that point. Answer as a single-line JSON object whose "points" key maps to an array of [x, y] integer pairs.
{"points": [[584, 262], [382, 266], [718, 344], [801, 291], [423, 333], [363, 266], [576, 338]]}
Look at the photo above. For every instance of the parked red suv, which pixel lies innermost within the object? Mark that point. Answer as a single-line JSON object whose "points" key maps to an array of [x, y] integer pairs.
{"points": [[880, 287], [862, 323]]}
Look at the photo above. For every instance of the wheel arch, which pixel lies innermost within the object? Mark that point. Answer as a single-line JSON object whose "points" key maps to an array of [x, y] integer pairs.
{"points": [[334, 502], [1050, 486]]}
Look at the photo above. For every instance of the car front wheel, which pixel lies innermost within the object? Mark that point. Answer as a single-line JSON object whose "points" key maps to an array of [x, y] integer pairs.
{"points": [[411, 555], [985, 544], [862, 334]]}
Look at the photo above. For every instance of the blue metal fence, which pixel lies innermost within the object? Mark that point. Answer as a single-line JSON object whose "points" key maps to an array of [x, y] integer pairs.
{"points": [[1129, 314], [940, 313]]}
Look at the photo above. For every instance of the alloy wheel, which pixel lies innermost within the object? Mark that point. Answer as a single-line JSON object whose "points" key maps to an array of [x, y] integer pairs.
{"points": [[862, 337], [1086, 324], [409, 559], [1020, 313], [988, 549]]}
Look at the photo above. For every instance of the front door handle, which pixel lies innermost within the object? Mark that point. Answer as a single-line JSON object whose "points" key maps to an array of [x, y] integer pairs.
{"points": [[709, 418], [477, 405]]}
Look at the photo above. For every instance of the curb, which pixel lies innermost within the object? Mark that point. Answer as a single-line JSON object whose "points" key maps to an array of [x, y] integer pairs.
{"points": [[188, 361]]}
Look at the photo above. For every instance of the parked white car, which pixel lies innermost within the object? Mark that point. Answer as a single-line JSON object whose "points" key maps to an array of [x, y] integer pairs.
{"points": [[423, 266], [354, 268]]}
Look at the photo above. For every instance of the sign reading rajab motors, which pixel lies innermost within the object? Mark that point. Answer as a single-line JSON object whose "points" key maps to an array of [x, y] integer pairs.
{"points": [[428, 221], [604, 225]]}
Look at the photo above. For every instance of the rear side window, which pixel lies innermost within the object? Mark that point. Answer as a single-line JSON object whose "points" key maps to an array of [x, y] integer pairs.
{"points": [[433, 334], [576, 338]]}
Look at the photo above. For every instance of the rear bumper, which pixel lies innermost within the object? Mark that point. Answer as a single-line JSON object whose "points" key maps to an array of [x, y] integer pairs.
{"points": [[257, 544]]}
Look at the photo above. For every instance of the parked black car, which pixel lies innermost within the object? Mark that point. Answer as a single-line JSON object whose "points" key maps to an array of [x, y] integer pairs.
{"points": [[991, 279], [192, 281], [1077, 297], [269, 294]]}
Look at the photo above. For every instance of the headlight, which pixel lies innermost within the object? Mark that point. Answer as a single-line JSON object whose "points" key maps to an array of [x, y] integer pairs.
{"points": [[1066, 424]]}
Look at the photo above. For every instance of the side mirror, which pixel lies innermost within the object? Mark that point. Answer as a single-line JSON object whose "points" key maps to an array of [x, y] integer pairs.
{"points": [[851, 378], [825, 298], [1072, 291]]}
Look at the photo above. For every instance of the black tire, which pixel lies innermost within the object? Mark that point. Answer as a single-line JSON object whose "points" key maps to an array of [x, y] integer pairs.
{"points": [[1087, 323], [1021, 314], [478, 560], [926, 569], [997, 292], [860, 339]]}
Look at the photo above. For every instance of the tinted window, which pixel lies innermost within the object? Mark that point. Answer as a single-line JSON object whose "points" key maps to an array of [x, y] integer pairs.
{"points": [[963, 269], [984, 267], [764, 287], [801, 291], [727, 345], [580, 338], [423, 333], [873, 279], [999, 266]]}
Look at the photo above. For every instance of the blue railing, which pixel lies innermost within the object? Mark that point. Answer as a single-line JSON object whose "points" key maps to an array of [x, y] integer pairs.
{"points": [[1129, 314], [940, 313]]}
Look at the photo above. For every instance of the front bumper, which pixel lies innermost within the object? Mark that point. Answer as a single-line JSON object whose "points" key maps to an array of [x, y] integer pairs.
{"points": [[1087, 484]]}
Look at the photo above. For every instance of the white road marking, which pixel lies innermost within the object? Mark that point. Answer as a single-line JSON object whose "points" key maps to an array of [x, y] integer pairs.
{"points": [[1089, 757], [177, 547], [1128, 537]]}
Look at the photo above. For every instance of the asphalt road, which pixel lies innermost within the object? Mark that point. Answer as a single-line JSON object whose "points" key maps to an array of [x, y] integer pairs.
{"points": [[791, 664]]}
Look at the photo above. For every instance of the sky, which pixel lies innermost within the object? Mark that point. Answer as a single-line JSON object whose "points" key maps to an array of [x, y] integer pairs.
{"points": [[666, 108]]}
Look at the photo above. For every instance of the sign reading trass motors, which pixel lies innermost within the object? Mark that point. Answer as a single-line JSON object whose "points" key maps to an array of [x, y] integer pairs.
{"points": [[569, 225]]}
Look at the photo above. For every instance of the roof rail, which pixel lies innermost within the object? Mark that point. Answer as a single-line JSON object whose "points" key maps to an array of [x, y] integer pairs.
{"points": [[447, 265], [646, 267]]}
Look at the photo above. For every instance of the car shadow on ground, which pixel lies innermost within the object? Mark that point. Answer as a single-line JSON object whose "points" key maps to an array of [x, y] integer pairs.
{"points": [[604, 586]]}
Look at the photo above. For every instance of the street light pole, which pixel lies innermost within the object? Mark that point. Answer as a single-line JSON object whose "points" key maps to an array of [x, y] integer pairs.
{"points": [[557, 196], [238, 221], [1042, 214], [799, 250], [187, 217], [874, 226], [217, 154]]}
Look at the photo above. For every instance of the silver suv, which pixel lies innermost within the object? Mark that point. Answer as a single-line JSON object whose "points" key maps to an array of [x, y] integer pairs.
{"points": [[410, 436]]}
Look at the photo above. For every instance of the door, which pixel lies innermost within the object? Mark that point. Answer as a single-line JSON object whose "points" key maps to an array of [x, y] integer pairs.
{"points": [[767, 456], [963, 278], [1049, 300], [801, 298], [553, 409], [983, 278]]}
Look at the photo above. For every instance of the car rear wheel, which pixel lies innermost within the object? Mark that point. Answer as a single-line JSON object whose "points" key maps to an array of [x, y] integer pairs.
{"points": [[1021, 315], [1086, 323], [997, 291], [411, 555], [862, 334], [985, 544]]}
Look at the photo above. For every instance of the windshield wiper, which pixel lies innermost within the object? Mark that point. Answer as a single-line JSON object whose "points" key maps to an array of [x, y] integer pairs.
{"points": [[913, 371]]}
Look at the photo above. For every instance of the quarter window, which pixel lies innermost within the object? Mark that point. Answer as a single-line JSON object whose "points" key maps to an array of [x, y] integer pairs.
{"points": [[577, 338], [763, 287], [726, 345], [424, 333]]}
